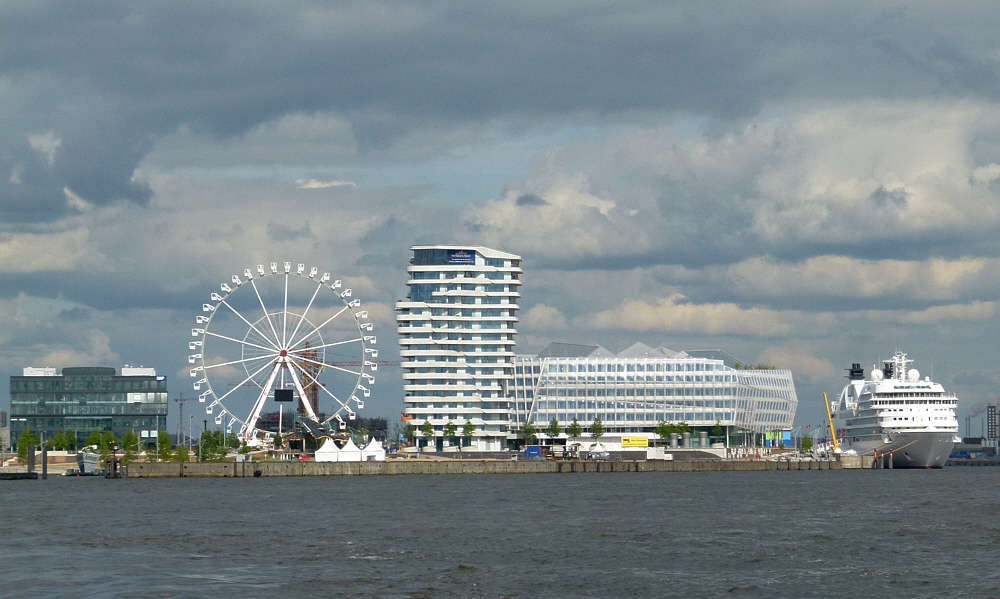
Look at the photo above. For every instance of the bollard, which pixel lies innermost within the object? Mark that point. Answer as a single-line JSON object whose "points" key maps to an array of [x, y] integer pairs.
{"points": [[45, 462], [687, 440], [673, 440], [890, 459]]}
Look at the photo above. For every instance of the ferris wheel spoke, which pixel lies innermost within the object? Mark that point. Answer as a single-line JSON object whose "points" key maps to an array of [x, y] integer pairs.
{"points": [[315, 347], [316, 329], [316, 382], [251, 424], [268, 357], [250, 324], [284, 315], [302, 393], [326, 365], [241, 342], [243, 382], [264, 308], [306, 311]]}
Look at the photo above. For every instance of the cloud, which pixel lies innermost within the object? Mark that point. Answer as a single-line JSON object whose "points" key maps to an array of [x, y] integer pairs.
{"points": [[48, 252], [314, 184], [675, 315], [47, 143], [98, 353], [543, 318], [800, 360], [845, 277]]}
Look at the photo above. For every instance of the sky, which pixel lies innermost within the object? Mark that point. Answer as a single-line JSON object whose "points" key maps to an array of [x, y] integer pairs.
{"points": [[799, 184]]}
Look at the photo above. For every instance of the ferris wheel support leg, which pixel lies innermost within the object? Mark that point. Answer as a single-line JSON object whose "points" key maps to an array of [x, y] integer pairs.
{"points": [[251, 425], [302, 394]]}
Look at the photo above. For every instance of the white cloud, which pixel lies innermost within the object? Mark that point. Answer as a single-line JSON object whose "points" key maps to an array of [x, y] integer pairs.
{"points": [[314, 184], [800, 360], [48, 252], [842, 276], [76, 202], [543, 318], [98, 353], [47, 143], [675, 315]]}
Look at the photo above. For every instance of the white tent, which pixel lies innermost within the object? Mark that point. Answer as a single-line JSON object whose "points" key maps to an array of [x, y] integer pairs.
{"points": [[349, 453], [328, 452], [373, 452]]}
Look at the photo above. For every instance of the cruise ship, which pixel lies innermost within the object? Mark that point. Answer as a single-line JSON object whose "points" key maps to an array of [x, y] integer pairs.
{"points": [[896, 413]]}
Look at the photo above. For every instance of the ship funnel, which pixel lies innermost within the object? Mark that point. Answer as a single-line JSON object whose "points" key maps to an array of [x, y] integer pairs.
{"points": [[856, 372]]}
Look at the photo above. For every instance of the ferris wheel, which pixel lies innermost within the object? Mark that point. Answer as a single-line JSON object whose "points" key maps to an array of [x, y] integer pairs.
{"points": [[277, 333]]}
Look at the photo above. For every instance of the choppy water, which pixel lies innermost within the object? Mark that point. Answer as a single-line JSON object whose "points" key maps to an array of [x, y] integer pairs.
{"points": [[774, 534]]}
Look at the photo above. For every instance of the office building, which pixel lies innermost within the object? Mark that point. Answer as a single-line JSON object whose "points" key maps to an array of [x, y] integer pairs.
{"points": [[456, 334], [634, 390], [88, 398]]}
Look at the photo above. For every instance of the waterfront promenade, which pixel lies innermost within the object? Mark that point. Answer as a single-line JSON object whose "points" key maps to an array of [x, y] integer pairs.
{"points": [[402, 467]]}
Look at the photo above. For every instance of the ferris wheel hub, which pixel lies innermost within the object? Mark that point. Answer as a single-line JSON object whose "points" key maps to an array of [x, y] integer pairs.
{"points": [[284, 353]]}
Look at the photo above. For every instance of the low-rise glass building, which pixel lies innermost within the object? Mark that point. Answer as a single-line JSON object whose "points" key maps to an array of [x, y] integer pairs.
{"points": [[88, 398], [634, 390]]}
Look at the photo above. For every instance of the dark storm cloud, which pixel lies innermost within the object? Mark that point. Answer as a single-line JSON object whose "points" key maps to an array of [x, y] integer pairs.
{"points": [[117, 75]]}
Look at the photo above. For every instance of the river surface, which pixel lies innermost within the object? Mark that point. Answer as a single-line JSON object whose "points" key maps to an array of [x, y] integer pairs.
{"points": [[731, 534]]}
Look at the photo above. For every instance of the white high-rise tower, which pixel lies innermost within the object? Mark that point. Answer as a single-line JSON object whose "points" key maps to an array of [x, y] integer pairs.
{"points": [[456, 336]]}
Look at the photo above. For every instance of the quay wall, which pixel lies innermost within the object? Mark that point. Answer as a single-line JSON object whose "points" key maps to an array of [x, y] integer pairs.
{"points": [[398, 467]]}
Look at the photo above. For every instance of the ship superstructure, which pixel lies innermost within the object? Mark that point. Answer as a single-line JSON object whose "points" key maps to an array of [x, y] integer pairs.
{"points": [[895, 413]]}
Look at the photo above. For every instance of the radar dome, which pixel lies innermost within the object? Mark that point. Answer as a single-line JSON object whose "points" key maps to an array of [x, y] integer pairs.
{"points": [[876, 375], [913, 375]]}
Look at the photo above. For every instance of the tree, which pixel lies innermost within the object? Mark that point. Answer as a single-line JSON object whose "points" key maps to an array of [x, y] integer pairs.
{"points": [[94, 439], [181, 454], [528, 433], [410, 432], [59, 441], [109, 443], [450, 431], [427, 429], [130, 443], [279, 442], [71, 441], [232, 441], [718, 431], [164, 448], [807, 443], [597, 429], [663, 429], [553, 430], [27, 438], [574, 430], [468, 430]]}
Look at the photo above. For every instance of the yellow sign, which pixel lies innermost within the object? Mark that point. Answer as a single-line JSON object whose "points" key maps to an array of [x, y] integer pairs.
{"points": [[635, 442]]}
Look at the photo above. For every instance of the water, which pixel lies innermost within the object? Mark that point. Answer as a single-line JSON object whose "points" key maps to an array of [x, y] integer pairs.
{"points": [[764, 534]]}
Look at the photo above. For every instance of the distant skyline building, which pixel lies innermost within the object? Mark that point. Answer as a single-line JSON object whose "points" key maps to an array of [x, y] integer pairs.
{"points": [[634, 390], [4, 431], [86, 398], [456, 335]]}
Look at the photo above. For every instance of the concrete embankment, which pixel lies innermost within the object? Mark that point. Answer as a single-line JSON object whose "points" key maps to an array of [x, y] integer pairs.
{"points": [[395, 467]]}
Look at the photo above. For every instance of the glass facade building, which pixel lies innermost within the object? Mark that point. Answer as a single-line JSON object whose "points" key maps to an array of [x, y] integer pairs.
{"points": [[631, 392], [84, 399], [456, 334]]}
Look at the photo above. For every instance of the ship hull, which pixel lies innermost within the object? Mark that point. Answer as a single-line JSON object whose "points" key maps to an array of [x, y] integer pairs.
{"points": [[925, 449]]}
